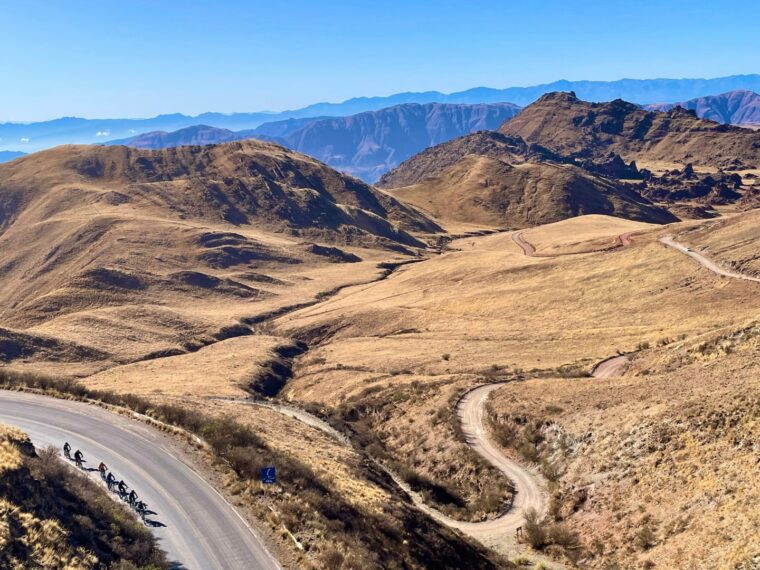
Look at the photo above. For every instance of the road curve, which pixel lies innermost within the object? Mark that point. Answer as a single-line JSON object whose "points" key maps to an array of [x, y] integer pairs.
{"points": [[527, 485], [524, 245], [611, 367], [705, 262], [623, 240], [528, 488], [203, 531]]}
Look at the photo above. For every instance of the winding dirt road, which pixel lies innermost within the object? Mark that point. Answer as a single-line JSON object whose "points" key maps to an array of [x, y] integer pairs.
{"points": [[623, 240], [203, 531], [705, 262], [528, 486], [525, 245]]}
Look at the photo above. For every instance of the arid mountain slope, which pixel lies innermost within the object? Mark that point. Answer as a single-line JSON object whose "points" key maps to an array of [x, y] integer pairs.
{"points": [[433, 161], [733, 108], [564, 124], [364, 145], [369, 144], [194, 135], [238, 183], [493, 179], [114, 254], [489, 191]]}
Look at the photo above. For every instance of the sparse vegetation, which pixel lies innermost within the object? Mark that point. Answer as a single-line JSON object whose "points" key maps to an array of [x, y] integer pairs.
{"points": [[56, 517], [305, 504]]}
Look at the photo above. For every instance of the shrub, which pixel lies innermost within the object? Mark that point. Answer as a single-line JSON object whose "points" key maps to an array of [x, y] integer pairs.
{"points": [[552, 470], [535, 533], [561, 535], [645, 537]]}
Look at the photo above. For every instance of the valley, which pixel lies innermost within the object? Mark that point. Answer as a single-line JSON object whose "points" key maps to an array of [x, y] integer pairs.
{"points": [[513, 329]]}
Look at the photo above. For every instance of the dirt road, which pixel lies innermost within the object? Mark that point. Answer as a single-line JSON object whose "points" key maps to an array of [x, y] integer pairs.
{"points": [[203, 531], [527, 248], [610, 367], [706, 262]]}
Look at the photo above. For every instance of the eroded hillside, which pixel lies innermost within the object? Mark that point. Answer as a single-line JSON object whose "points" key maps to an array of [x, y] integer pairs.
{"points": [[114, 254]]}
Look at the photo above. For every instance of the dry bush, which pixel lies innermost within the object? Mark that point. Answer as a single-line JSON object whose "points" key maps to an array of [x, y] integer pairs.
{"points": [[535, 531]]}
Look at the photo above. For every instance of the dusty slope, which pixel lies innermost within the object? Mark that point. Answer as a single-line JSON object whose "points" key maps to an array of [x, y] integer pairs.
{"points": [[387, 360], [732, 241], [490, 191], [116, 254], [660, 465], [439, 158], [563, 123], [583, 234]]}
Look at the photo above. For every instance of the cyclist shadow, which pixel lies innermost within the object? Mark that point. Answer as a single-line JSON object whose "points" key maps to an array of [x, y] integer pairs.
{"points": [[154, 523]]}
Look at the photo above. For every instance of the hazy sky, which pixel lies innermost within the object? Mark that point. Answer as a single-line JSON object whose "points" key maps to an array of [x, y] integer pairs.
{"points": [[136, 58]]}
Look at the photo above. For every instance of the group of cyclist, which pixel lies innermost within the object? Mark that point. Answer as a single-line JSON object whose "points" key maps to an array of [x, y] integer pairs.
{"points": [[114, 485]]}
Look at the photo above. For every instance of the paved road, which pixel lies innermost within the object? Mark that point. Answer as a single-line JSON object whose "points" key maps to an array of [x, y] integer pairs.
{"points": [[202, 530], [706, 262], [610, 367]]}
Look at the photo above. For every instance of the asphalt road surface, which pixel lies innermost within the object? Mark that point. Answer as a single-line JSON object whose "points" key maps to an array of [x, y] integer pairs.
{"points": [[203, 531]]}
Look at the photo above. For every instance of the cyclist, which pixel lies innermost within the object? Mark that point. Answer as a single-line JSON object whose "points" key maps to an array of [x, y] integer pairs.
{"points": [[78, 458], [141, 507], [67, 450], [110, 480], [122, 486], [102, 468], [132, 497]]}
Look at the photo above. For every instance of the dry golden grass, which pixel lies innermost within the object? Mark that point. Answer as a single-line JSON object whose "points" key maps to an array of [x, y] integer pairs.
{"points": [[225, 368], [731, 240], [669, 447], [488, 304], [485, 310], [582, 234], [332, 460]]}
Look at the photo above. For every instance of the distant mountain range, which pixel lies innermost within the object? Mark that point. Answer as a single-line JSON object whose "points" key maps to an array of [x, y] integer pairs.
{"points": [[38, 135], [734, 108], [365, 145]]}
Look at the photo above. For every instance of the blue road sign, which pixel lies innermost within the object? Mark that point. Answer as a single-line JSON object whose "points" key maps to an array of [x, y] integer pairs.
{"points": [[268, 475]]}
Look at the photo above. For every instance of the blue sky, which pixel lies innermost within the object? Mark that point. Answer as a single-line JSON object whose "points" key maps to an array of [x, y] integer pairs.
{"points": [[137, 58]]}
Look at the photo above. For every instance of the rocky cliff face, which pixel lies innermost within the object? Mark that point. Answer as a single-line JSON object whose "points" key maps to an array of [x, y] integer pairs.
{"points": [[564, 124]]}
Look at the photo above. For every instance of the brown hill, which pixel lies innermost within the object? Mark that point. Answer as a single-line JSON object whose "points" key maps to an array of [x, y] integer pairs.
{"points": [[486, 190], [114, 254], [564, 124], [435, 160], [489, 178], [238, 183]]}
